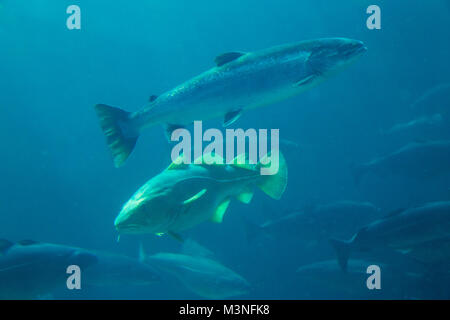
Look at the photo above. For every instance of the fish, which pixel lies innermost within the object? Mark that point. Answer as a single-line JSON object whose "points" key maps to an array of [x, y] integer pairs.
{"points": [[115, 270], [328, 280], [315, 222], [184, 195], [433, 120], [399, 232], [196, 269], [431, 99], [435, 252], [419, 159], [239, 81], [31, 269]]}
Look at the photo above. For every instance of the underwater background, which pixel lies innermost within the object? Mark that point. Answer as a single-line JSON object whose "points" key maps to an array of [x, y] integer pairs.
{"points": [[58, 183]]}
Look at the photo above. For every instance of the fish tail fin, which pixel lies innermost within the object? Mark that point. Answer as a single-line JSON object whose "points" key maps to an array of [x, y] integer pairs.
{"points": [[274, 182], [120, 136], [342, 249], [358, 171], [252, 231]]}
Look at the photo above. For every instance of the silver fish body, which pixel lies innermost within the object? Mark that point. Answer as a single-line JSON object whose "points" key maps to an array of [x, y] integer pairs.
{"points": [[240, 81]]}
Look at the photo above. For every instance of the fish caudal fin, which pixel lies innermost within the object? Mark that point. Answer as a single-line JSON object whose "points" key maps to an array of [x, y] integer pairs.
{"points": [[342, 249], [274, 184], [120, 137]]}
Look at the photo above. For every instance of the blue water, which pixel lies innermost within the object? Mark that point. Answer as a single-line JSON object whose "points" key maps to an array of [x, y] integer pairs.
{"points": [[58, 183]]}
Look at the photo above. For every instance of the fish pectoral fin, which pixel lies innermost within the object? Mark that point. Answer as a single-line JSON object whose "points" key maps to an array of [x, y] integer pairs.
{"points": [[169, 128], [231, 117], [152, 98], [195, 197], [227, 57], [217, 217], [304, 81], [246, 196], [174, 235]]}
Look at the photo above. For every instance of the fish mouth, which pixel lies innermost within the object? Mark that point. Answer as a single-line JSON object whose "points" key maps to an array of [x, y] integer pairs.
{"points": [[125, 224], [353, 49], [128, 228], [332, 55]]}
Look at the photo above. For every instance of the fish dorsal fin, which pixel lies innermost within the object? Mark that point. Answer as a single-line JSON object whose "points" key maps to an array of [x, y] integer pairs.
{"points": [[195, 197], [178, 164], [227, 57], [27, 242], [5, 245], [217, 217], [242, 161], [209, 159], [152, 98], [192, 248], [394, 213]]}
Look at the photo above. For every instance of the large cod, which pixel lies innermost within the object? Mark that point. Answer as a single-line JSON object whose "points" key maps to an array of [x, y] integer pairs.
{"points": [[184, 195], [240, 81]]}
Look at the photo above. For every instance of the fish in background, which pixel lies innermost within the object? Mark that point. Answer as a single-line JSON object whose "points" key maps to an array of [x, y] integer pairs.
{"points": [[289, 143], [399, 232], [32, 270], [328, 280], [115, 270], [435, 252], [185, 195], [196, 269], [433, 121], [316, 222], [432, 100], [240, 81], [420, 160]]}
